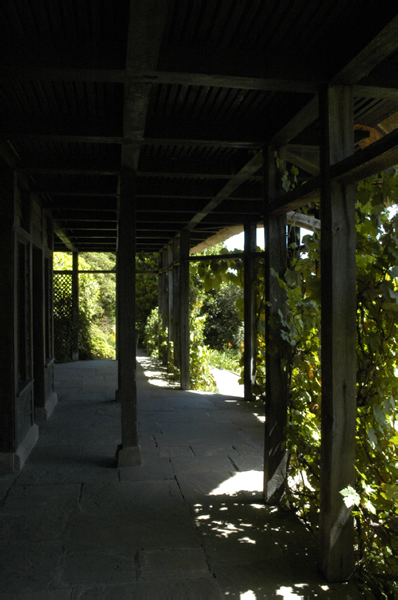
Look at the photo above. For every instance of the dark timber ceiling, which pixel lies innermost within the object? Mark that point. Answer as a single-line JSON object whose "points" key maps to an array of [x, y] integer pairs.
{"points": [[185, 91]]}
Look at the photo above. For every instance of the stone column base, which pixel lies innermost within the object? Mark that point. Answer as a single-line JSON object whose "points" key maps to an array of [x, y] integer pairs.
{"points": [[44, 413], [128, 457], [14, 461]]}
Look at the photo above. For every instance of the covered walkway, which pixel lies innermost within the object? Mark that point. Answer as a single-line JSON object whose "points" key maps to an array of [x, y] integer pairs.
{"points": [[188, 523]]}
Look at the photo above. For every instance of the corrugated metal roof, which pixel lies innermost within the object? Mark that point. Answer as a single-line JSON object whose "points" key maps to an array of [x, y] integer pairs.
{"points": [[228, 77]]}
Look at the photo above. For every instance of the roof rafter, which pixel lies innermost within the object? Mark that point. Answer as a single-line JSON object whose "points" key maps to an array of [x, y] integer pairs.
{"points": [[377, 157]]}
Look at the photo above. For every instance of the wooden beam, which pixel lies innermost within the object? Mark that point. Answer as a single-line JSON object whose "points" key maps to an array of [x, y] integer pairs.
{"points": [[32, 72], [67, 138], [309, 162], [373, 159], [199, 143], [130, 141], [338, 335], [146, 23], [58, 230], [66, 171], [137, 76], [276, 72], [189, 166], [247, 171], [373, 91], [94, 127], [305, 117], [379, 48], [266, 84]]}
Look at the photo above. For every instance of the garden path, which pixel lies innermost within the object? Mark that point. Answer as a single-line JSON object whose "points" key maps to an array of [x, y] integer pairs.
{"points": [[187, 524]]}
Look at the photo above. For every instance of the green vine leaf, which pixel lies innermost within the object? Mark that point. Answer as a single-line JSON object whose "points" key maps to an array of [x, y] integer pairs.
{"points": [[350, 496]]}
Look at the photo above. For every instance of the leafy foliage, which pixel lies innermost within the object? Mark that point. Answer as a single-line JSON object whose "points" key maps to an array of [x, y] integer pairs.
{"points": [[96, 304], [97, 328], [376, 492], [153, 337], [223, 326], [199, 353], [146, 289], [215, 320], [227, 360], [97, 299]]}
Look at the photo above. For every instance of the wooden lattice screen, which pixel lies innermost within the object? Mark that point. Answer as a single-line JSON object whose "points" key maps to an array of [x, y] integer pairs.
{"points": [[63, 341]]}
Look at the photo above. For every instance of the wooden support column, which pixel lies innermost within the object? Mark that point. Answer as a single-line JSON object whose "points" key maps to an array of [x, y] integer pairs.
{"points": [[163, 305], [184, 311], [338, 336], [75, 306], [18, 433], [39, 333], [276, 377], [7, 320], [129, 453], [170, 287], [176, 303], [160, 301], [250, 333]]}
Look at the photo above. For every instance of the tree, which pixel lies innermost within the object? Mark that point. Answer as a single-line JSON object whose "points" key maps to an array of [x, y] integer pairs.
{"points": [[224, 326], [146, 289]]}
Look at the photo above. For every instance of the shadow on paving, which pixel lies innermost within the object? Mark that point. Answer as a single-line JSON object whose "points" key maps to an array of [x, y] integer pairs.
{"points": [[188, 523]]}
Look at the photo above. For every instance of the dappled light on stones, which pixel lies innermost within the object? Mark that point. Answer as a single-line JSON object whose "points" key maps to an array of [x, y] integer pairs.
{"points": [[249, 481]]}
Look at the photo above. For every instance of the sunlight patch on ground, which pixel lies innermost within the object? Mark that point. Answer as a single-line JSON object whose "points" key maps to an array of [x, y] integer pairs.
{"points": [[287, 592], [248, 481]]}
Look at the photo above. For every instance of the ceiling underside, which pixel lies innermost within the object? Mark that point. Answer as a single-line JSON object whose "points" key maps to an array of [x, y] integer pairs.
{"points": [[186, 92]]}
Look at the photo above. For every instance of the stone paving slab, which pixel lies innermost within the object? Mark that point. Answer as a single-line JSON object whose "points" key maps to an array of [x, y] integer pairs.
{"points": [[29, 566], [188, 523], [154, 467], [188, 589]]}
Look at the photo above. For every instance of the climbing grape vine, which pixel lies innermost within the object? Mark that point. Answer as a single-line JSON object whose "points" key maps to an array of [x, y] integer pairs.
{"points": [[375, 497]]}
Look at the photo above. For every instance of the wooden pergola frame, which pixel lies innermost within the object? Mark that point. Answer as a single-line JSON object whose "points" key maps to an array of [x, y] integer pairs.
{"points": [[171, 205]]}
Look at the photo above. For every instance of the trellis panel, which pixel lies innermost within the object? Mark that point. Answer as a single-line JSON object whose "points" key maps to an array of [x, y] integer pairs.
{"points": [[63, 323]]}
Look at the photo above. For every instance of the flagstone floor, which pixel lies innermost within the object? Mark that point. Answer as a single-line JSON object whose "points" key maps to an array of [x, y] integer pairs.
{"points": [[188, 524]]}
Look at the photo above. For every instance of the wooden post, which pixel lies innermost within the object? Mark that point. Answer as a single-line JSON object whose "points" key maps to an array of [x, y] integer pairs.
{"points": [[163, 305], [160, 300], [170, 287], [250, 332], [129, 453], [176, 302], [75, 306], [7, 319], [39, 333], [276, 377], [184, 311], [18, 433], [338, 336]]}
